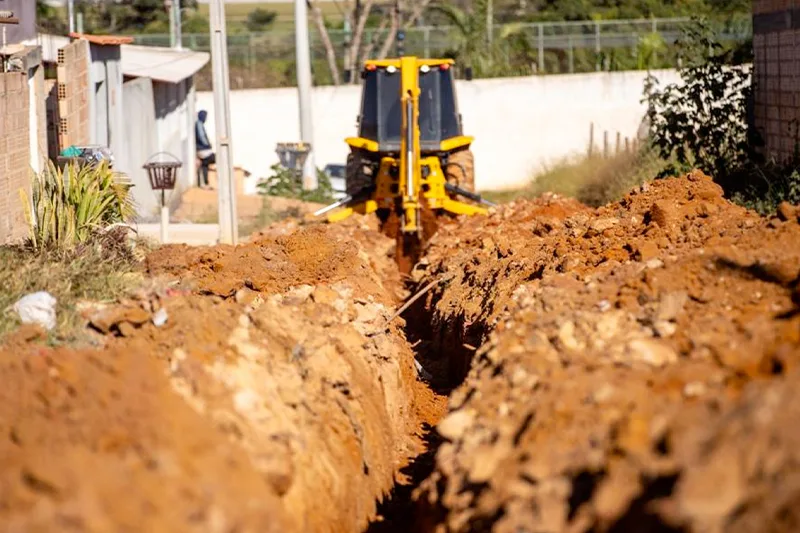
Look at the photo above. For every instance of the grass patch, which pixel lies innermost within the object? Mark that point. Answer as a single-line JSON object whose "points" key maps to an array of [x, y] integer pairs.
{"points": [[99, 270], [593, 180]]}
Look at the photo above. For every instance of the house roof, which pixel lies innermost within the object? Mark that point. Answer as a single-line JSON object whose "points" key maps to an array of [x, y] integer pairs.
{"points": [[103, 40], [157, 63], [162, 64]]}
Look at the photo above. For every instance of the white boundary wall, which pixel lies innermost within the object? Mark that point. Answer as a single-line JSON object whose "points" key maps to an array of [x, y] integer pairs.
{"points": [[520, 125]]}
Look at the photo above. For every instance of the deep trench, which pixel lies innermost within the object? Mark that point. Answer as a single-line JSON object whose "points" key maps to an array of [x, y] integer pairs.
{"points": [[447, 357]]}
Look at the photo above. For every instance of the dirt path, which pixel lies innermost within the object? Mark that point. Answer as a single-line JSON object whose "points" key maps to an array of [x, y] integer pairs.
{"points": [[629, 368]]}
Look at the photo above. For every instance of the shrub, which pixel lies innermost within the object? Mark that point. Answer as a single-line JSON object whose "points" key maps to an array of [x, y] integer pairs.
{"points": [[69, 206], [286, 183], [701, 121]]}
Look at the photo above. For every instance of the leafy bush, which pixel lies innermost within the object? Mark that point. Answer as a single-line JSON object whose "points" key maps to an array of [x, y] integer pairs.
{"points": [[286, 183], [701, 121], [69, 206]]}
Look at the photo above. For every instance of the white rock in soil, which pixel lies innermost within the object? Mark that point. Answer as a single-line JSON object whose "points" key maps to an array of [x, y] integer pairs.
{"points": [[652, 352]]}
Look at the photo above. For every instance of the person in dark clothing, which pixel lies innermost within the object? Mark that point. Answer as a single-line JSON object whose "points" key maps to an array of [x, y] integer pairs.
{"points": [[204, 151]]}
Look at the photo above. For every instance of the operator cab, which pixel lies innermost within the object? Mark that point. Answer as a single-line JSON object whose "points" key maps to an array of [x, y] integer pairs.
{"points": [[381, 116]]}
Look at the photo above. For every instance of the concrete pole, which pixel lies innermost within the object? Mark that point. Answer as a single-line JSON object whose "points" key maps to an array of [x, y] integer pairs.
{"points": [[71, 15], [176, 24], [228, 223], [303, 55]]}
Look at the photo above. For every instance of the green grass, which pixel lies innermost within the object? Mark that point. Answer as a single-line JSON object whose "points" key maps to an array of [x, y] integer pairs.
{"points": [[102, 270], [593, 180]]}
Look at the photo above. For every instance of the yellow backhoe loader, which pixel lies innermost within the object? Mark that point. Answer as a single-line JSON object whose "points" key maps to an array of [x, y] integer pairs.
{"points": [[410, 161]]}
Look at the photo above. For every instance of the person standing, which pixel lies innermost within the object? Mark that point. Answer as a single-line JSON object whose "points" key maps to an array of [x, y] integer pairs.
{"points": [[204, 151]]}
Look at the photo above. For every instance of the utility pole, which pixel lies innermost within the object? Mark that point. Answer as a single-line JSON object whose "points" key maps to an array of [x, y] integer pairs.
{"points": [[71, 15], [175, 34], [228, 223], [303, 60]]}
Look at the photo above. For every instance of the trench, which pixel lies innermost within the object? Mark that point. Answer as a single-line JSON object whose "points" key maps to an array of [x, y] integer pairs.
{"points": [[446, 356]]}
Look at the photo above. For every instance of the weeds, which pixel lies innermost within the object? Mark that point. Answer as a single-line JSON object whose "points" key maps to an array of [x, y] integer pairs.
{"points": [[100, 269], [593, 180], [762, 188]]}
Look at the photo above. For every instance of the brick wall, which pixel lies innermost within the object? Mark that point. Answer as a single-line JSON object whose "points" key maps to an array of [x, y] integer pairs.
{"points": [[14, 155], [776, 44], [73, 94]]}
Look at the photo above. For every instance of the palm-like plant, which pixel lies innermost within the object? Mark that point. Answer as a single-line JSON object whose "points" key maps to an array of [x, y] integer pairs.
{"points": [[68, 206], [476, 45]]}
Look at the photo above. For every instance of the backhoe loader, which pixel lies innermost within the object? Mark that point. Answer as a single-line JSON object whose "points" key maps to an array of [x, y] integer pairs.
{"points": [[410, 161]]}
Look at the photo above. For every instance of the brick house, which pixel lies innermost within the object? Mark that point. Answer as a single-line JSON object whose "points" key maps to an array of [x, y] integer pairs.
{"points": [[776, 46]]}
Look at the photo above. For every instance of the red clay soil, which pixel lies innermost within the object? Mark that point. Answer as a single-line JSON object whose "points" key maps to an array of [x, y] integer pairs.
{"points": [[265, 403], [623, 369], [639, 371]]}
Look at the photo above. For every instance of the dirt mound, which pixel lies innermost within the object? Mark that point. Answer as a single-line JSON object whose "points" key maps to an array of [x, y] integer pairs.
{"points": [[277, 260], [282, 411], [637, 364]]}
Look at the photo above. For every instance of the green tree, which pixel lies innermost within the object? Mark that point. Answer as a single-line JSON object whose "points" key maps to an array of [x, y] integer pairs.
{"points": [[476, 45], [259, 19]]}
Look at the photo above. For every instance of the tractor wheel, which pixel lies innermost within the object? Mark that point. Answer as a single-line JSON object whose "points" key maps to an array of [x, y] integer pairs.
{"points": [[460, 170], [355, 180]]}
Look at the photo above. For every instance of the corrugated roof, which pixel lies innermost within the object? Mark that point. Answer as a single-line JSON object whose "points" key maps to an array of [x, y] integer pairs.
{"points": [[162, 64], [154, 62]]}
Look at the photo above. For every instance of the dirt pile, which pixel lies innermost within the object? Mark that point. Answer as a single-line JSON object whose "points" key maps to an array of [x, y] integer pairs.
{"points": [[262, 401], [639, 373]]}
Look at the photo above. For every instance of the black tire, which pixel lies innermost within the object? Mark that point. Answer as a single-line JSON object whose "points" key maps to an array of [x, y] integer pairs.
{"points": [[355, 179], [460, 169]]}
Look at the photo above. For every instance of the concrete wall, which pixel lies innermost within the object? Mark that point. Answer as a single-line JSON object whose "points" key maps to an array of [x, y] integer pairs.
{"points": [[74, 112], [15, 149], [106, 105], [776, 44], [520, 125]]}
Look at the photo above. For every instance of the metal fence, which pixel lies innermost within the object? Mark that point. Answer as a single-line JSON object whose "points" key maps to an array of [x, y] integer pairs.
{"points": [[552, 47]]}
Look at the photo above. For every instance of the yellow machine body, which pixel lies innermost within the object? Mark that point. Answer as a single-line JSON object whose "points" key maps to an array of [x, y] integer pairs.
{"points": [[406, 175]]}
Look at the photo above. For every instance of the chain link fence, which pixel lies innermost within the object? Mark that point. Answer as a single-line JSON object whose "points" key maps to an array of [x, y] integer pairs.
{"points": [[267, 59]]}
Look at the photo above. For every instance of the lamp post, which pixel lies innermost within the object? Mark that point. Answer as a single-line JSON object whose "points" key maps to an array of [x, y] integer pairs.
{"points": [[162, 178]]}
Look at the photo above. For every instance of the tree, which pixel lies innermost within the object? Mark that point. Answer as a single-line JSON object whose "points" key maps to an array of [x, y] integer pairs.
{"points": [[259, 19], [330, 52], [474, 46]]}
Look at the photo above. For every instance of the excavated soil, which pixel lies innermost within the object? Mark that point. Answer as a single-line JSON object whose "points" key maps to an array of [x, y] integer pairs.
{"points": [[638, 368], [266, 402], [631, 368]]}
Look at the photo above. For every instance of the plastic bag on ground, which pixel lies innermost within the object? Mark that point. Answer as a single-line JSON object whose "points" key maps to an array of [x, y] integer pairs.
{"points": [[37, 308]]}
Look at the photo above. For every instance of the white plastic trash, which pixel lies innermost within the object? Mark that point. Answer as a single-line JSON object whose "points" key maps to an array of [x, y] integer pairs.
{"points": [[37, 308], [160, 318]]}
